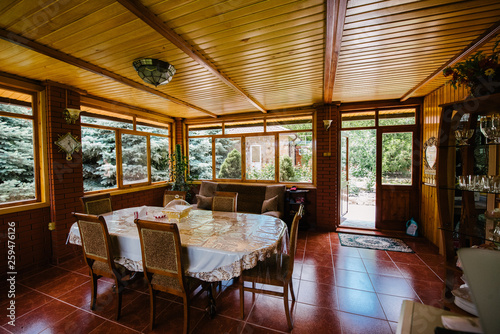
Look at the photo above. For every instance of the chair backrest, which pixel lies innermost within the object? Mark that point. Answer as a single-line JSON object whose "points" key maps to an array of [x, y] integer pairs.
{"points": [[161, 250], [169, 195], [293, 237], [225, 201], [96, 204], [95, 238]]}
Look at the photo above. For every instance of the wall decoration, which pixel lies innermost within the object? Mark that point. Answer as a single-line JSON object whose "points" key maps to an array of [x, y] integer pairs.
{"points": [[68, 144], [430, 158]]}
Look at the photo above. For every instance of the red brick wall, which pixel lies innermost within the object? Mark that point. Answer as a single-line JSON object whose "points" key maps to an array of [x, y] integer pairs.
{"points": [[327, 172], [32, 239], [150, 197], [65, 176]]}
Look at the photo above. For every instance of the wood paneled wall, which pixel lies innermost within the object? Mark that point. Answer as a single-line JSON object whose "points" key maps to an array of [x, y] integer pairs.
{"points": [[430, 126]]}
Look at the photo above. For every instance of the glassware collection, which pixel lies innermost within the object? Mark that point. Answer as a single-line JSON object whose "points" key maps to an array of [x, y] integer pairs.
{"points": [[485, 183], [489, 126]]}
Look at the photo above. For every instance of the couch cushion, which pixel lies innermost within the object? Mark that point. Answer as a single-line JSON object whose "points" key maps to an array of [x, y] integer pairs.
{"points": [[204, 202], [279, 190], [250, 197], [270, 204], [208, 188]]}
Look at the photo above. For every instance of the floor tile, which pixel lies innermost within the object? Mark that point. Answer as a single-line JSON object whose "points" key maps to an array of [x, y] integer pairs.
{"points": [[217, 325], [348, 263], [319, 246], [360, 302], [253, 329], [270, 312], [395, 286], [418, 272], [62, 285], [355, 324], [345, 251], [409, 258], [392, 306], [387, 268], [394, 326], [430, 293], [353, 279], [313, 319], [25, 304], [228, 303], [75, 264], [373, 254], [171, 319], [325, 275], [136, 314], [108, 327], [323, 295], [318, 259], [42, 317], [77, 322], [44, 277]]}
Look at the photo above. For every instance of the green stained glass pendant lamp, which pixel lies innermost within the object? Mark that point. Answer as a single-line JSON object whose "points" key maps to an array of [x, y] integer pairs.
{"points": [[153, 71]]}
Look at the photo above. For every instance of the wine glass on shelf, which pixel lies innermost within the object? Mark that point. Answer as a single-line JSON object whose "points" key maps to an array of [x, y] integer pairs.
{"points": [[490, 128]]}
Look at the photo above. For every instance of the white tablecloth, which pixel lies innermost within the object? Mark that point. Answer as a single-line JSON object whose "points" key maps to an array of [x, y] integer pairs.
{"points": [[217, 245]]}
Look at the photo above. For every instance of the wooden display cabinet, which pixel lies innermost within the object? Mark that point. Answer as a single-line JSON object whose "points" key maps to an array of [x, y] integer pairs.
{"points": [[461, 209]]}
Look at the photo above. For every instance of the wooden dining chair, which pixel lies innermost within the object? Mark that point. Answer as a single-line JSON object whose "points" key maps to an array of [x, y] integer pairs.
{"points": [[163, 265], [225, 201], [96, 245], [169, 195], [276, 270], [96, 204]]}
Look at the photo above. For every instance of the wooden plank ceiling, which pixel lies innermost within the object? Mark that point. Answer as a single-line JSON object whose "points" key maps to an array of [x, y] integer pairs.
{"points": [[236, 56]]}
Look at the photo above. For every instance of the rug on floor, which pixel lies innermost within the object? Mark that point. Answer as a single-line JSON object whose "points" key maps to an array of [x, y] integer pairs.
{"points": [[372, 242]]}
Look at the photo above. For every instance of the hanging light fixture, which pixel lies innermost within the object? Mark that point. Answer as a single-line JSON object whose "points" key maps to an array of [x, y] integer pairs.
{"points": [[154, 71]]}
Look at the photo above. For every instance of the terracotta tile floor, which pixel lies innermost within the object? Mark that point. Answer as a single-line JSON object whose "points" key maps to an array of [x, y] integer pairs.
{"points": [[338, 289]]}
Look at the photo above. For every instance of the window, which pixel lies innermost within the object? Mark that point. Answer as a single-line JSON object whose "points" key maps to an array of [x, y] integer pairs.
{"points": [[103, 138], [397, 158], [260, 164], [396, 117], [240, 154], [18, 140]]}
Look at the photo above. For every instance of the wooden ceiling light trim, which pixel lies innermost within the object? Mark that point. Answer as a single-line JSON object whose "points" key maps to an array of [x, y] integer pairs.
{"points": [[61, 56], [335, 18], [472, 47], [146, 15]]}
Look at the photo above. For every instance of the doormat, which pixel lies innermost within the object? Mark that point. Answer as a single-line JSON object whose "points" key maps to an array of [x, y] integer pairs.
{"points": [[371, 242]]}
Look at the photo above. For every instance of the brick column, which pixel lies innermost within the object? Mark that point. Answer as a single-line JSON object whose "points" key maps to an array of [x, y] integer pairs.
{"points": [[65, 176], [327, 169], [179, 138]]}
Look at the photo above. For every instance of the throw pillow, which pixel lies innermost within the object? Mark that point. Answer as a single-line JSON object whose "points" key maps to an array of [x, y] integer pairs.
{"points": [[204, 202], [270, 204]]}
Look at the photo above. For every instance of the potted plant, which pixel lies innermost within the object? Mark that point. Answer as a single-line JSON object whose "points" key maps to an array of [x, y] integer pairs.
{"points": [[480, 73], [178, 170]]}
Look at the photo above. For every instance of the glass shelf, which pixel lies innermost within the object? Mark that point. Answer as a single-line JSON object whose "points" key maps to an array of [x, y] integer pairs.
{"points": [[469, 235], [471, 191], [469, 145]]}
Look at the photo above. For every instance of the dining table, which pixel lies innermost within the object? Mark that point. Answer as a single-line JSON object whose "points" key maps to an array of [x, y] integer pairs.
{"points": [[217, 246]]}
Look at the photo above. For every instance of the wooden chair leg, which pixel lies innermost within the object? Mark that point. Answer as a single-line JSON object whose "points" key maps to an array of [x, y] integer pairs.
{"points": [[93, 281], [186, 314], [152, 306], [287, 307], [291, 290], [242, 300], [119, 301]]}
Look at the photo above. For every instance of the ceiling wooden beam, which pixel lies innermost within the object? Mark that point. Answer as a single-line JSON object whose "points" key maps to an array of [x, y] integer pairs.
{"points": [[472, 47], [335, 18], [61, 56], [146, 15]]}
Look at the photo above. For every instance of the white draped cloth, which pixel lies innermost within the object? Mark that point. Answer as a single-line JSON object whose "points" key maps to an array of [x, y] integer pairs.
{"points": [[217, 245]]}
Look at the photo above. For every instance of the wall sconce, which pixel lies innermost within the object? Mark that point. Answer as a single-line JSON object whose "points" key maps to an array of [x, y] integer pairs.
{"points": [[71, 115], [327, 123]]}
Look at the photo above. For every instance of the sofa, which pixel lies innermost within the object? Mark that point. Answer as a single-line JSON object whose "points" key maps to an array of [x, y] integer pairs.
{"points": [[260, 199]]}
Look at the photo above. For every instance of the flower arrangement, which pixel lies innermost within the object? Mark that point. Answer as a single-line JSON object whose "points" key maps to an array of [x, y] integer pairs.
{"points": [[480, 73]]}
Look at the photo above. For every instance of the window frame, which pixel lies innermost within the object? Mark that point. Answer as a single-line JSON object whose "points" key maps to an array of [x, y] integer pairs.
{"points": [[40, 171], [118, 148], [312, 131]]}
